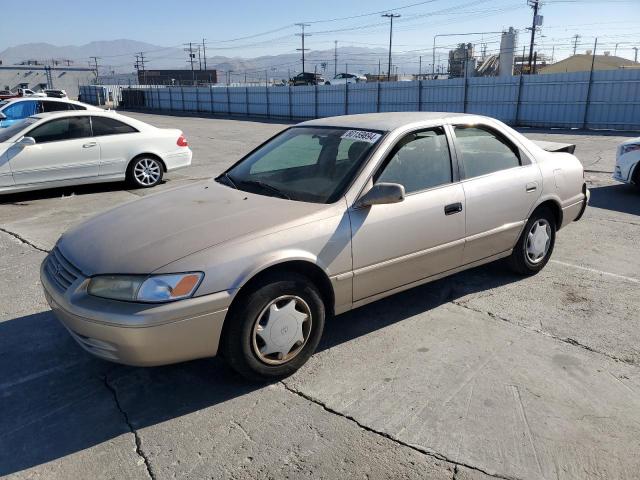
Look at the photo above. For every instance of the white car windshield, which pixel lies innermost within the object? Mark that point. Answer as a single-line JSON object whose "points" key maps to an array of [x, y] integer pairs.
{"points": [[7, 133], [309, 164]]}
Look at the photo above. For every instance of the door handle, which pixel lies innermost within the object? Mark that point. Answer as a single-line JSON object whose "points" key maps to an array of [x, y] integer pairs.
{"points": [[89, 145], [532, 187], [452, 208]]}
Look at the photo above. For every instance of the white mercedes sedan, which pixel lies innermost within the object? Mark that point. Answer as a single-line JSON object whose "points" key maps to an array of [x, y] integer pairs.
{"points": [[77, 147]]}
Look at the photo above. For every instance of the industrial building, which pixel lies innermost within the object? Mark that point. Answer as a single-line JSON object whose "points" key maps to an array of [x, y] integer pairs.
{"points": [[582, 63], [39, 77], [177, 77]]}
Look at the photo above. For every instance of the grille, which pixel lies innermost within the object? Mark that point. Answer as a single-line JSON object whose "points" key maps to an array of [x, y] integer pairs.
{"points": [[60, 271]]}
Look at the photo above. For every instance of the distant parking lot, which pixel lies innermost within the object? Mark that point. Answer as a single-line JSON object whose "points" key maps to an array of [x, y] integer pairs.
{"points": [[483, 374]]}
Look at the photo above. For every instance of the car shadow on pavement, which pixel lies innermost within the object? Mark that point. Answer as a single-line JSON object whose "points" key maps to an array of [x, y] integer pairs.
{"points": [[56, 400], [620, 198]]}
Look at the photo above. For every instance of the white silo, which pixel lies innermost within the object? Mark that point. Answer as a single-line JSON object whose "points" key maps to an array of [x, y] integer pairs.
{"points": [[507, 52]]}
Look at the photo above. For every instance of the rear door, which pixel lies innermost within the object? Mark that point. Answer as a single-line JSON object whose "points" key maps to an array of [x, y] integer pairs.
{"points": [[500, 185], [117, 140], [64, 150]]}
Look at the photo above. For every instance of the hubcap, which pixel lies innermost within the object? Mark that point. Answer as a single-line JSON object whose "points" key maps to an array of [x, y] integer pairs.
{"points": [[147, 171], [538, 241], [281, 330]]}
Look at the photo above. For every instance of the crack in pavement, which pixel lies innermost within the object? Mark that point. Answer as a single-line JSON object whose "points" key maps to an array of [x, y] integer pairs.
{"points": [[568, 340], [139, 451], [23, 240], [417, 448]]}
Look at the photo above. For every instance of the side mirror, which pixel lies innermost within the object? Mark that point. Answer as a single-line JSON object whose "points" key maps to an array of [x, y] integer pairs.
{"points": [[26, 141], [382, 193], [2, 116]]}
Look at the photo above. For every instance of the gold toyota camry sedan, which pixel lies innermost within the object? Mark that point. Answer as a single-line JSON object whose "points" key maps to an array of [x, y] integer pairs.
{"points": [[326, 216]]}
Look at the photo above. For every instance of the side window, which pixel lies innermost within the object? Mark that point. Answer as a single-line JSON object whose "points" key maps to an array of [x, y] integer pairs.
{"points": [[484, 152], [108, 126], [67, 128], [19, 110], [48, 106], [419, 161]]}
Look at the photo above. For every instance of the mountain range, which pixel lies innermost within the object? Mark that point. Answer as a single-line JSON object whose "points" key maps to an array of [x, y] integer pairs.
{"points": [[118, 56]]}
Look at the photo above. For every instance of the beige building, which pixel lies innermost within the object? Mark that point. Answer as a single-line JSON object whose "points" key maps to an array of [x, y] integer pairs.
{"points": [[582, 63]]}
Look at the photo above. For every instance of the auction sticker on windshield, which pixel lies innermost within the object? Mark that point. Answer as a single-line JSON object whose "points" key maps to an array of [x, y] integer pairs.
{"points": [[362, 135]]}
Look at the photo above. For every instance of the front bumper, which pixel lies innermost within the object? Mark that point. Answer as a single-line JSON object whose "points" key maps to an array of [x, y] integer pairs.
{"points": [[134, 333]]}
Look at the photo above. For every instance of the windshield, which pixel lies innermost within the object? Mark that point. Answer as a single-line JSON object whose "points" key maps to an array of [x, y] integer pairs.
{"points": [[7, 133], [308, 164]]}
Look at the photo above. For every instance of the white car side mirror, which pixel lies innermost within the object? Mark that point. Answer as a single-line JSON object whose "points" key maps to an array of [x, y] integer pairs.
{"points": [[26, 141]]}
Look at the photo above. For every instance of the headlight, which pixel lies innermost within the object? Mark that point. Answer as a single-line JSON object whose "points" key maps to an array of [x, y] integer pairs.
{"points": [[139, 288], [629, 148]]}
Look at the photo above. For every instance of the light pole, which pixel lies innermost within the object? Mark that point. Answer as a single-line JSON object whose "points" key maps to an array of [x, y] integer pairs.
{"points": [[390, 16]]}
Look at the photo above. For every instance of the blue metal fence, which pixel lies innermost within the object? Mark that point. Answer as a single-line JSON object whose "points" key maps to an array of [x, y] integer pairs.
{"points": [[596, 100]]}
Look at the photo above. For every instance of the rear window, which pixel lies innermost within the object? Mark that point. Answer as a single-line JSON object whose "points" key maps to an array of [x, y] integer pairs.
{"points": [[109, 126]]}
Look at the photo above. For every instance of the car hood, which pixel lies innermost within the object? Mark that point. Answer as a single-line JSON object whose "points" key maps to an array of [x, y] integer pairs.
{"points": [[144, 235]]}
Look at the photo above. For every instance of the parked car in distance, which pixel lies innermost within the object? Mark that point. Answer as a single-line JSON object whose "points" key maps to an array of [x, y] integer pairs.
{"points": [[627, 168], [328, 215], [342, 78], [27, 92], [55, 93], [307, 78], [87, 146], [17, 109], [6, 94]]}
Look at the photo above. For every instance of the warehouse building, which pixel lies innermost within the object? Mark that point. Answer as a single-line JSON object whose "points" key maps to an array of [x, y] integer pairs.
{"points": [[177, 77], [40, 77], [582, 63]]}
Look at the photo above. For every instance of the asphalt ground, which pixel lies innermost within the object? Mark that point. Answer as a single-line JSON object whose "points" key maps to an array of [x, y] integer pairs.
{"points": [[482, 374]]}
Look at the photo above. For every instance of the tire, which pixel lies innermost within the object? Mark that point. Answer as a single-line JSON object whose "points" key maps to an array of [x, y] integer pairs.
{"points": [[525, 258], [242, 343], [145, 172]]}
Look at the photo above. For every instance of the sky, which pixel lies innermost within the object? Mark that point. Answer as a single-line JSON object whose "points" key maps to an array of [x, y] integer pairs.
{"points": [[252, 28]]}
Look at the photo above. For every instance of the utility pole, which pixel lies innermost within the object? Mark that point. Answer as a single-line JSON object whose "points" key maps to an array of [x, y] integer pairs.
{"points": [[302, 34], [419, 67], [199, 58], [575, 43], [204, 54], [95, 67], [141, 67], [535, 4], [335, 58], [635, 57], [390, 16], [192, 57], [379, 70]]}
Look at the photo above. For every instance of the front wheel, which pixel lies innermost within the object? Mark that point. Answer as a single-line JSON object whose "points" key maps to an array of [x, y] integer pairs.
{"points": [[145, 172], [535, 245], [274, 328]]}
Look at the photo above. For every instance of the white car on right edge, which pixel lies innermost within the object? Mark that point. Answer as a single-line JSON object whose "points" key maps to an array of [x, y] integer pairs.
{"points": [[628, 162]]}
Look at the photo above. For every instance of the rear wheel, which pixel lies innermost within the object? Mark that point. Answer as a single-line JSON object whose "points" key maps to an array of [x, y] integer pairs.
{"points": [[535, 245], [274, 328], [145, 172]]}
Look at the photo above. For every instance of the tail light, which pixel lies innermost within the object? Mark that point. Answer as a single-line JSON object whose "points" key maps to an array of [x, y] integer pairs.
{"points": [[182, 141]]}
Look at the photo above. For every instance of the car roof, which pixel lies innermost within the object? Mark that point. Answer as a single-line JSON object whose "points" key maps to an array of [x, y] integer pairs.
{"points": [[99, 112], [386, 121]]}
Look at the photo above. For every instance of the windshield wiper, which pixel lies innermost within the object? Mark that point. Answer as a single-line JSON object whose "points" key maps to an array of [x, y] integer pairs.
{"points": [[227, 179], [265, 186]]}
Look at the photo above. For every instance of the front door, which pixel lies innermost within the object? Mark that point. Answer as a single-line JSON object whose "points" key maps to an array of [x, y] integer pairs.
{"points": [[64, 150], [500, 186], [397, 244]]}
